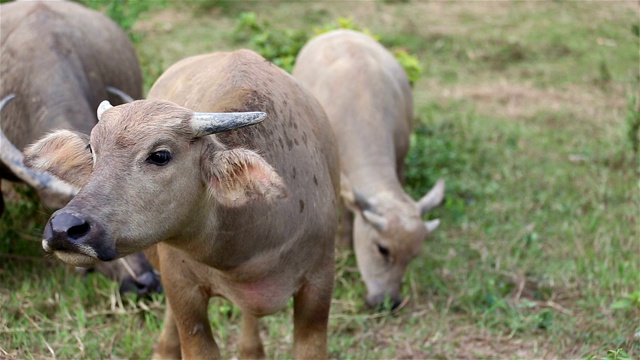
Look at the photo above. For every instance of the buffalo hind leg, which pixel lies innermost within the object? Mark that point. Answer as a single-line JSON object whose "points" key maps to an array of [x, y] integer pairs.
{"points": [[250, 343], [311, 306], [168, 346]]}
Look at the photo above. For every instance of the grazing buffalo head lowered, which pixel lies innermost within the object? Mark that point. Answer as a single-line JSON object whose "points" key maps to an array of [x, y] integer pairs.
{"points": [[387, 234], [368, 100]]}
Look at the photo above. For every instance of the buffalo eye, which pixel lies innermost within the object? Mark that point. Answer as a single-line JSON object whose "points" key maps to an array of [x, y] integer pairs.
{"points": [[384, 251], [159, 158]]}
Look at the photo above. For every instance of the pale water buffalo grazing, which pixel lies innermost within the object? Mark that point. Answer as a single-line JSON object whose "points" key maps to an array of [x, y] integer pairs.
{"points": [[248, 213], [367, 98], [58, 61]]}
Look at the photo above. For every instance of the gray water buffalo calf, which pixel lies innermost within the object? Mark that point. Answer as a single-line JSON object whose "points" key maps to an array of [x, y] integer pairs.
{"points": [[249, 213], [58, 61], [367, 97]]}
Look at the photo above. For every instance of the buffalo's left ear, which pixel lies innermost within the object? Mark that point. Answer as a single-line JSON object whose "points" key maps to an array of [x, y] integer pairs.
{"points": [[64, 154], [237, 176], [357, 203]]}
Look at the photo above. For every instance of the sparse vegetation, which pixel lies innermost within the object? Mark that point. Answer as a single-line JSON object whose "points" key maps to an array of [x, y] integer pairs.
{"points": [[281, 46], [521, 107], [124, 12], [633, 126]]}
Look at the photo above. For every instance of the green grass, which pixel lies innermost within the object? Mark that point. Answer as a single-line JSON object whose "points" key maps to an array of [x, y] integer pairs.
{"points": [[524, 109]]}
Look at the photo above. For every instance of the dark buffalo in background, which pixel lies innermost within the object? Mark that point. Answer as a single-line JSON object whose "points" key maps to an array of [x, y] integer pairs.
{"points": [[58, 61]]}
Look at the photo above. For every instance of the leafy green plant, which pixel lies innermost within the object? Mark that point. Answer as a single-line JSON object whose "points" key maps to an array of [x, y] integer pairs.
{"points": [[617, 354], [410, 63], [279, 46], [343, 23], [124, 12], [628, 302]]}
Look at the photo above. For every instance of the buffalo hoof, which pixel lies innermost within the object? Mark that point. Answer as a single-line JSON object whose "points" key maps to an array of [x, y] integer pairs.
{"points": [[145, 284]]}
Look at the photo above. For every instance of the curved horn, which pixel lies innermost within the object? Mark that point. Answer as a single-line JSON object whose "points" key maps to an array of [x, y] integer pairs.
{"points": [[433, 198], [104, 106], [6, 100], [119, 93], [14, 160], [212, 123]]}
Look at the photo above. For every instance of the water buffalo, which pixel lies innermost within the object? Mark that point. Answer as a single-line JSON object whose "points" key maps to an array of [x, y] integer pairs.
{"points": [[58, 61], [248, 213], [367, 97]]}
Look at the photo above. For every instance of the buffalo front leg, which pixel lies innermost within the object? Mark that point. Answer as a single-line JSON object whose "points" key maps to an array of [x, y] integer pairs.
{"points": [[168, 346], [250, 343], [311, 306], [188, 303], [189, 306]]}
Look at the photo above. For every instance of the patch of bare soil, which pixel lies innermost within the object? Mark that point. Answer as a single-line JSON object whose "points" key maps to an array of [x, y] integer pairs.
{"points": [[521, 101], [460, 341], [164, 20]]}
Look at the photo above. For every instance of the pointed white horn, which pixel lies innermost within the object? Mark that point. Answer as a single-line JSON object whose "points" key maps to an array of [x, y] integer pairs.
{"points": [[104, 106], [212, 123], [432, 225], [377, 221], [433, 198], [119, 93], [6, 100]]}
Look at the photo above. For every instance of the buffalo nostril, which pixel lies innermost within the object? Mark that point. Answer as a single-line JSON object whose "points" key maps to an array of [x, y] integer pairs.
{"points": [[78, 231], [69, 225]]}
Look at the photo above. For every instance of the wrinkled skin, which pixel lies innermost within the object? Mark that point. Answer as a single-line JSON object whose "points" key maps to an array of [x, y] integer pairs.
{"points": [[248, 214], [58, 58], [367, 97]]}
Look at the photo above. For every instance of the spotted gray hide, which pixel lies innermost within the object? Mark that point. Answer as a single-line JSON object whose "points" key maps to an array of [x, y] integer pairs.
{"points": [[248, 214], [367, 97], [58, 61]]}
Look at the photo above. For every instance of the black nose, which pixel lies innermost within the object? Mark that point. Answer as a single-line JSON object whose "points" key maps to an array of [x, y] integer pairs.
{"points": [[69, 225], [65, 231]]}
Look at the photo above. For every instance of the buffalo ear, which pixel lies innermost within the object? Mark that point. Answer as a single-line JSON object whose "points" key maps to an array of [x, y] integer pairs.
{"points": [[358, 203], [238, 176], [64, 154]]}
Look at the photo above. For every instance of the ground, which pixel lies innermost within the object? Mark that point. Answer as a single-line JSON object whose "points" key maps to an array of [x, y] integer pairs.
{"points": [[524, 108]]}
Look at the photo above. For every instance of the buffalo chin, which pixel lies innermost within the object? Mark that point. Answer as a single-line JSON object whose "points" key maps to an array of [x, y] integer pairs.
{"points": [[76, 259]]}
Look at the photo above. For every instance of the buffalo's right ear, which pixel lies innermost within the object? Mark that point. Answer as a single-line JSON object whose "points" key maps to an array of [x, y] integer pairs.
{"points": [[64, 154], [237, 176]]}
